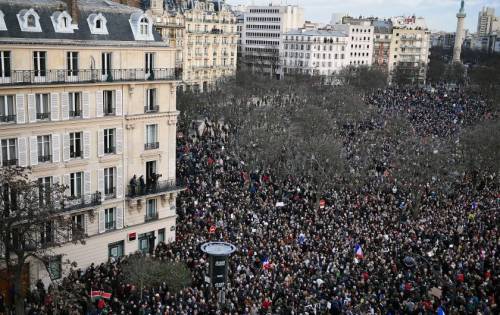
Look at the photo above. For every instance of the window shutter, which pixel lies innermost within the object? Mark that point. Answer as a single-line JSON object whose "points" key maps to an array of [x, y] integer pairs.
{"points": [[66, 155], [87, 183], [99, 106], [102, 218], [86, 144], [56, 148], [67, 182], [100, 142], [85, 223], [22, 152], [85, 105], [119, 218], [119, 182], [34, 150], [119, 102], [54, 106], [100, 181], [119, 140], [56, 180], [31, 108], [65, 106], [20, 112]]}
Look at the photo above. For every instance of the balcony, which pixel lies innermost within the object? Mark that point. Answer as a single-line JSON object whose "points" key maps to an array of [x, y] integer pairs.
{"points": [[135, 191], [82, 202], [110, 225], [109, 150], [109, 111], [7, 118], [151, 217], [74, 114], [75, 154], [42, 116], [30, 77], [151, 146], [44, 158], [110, 193], [11, 162], [152, 109]]}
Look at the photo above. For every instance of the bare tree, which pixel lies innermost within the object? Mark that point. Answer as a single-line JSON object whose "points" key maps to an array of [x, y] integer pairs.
{"points": [[32, 223]]}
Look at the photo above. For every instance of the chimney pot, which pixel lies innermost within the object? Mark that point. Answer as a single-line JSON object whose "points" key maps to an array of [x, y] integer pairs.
{"points": [[72, 8]]}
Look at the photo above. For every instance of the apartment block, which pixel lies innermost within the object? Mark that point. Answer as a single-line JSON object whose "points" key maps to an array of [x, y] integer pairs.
{"points": [[87, 99]]}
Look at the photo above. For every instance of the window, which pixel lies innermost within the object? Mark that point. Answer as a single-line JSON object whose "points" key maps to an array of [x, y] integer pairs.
{"points": [[39, 63], [106, 63], [42, 106], [149, 63], [7, 110], [116, 250], [75, 104], [151, 101], [144, 26], [109, 182], [108, 102], [4, 64], [72, 63], [76, 185], [44, 152], [47, 233], [109, 141], [54, 267], [161, 235], [9, 152], [151, 137], [31, 21], [75, 144], [151, 213], [98, 24], [78, 224], [44, 186], [110, 219]]}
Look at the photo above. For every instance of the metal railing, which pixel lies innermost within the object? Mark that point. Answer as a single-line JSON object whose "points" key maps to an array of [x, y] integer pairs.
{"points": [[110, 225], [109, 150], [151, 217], [75, 113], [152, 109], [44, 158], [84, 201], [11, 162], [7, 118], [149, 189], [31, 77], [151, 146], [75, 154], [42, 116], [110, 194], [109, 111]]}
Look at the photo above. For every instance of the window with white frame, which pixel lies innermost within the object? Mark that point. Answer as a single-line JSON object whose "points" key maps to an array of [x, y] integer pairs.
{"points": [[109, 182], [3, 26], [144, 26], [7, 109], [75, 104], [151, 105], [9, 152], [76, 184], [54, 267], [44, 148], [4, 64], [149, 62], [47, 233], [44, 189], [151, 212], [78, 224], [72, 63], [151, 137], [29, 21], [42, 106], [108, 102], [106, 63], [62, 22], [110, 219], [97, 24], [110, 141], [75, 144], [40, 63]]}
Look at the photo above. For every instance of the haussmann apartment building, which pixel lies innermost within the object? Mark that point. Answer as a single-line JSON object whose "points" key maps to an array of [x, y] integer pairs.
{"points": [[87, 99]]}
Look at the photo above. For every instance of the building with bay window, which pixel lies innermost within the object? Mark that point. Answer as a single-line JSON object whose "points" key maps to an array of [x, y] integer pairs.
{"points": [[88, 99]]}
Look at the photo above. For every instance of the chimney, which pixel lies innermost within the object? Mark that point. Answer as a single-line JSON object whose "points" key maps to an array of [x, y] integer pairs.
{"points": [[72, 8]]}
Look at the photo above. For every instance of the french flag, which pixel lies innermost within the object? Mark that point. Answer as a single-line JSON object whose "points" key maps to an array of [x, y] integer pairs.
{"points": [[266, 264], [358, 251]]}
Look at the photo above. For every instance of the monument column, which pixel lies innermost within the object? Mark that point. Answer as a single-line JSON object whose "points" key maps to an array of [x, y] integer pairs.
{"points": [[459, 35]]}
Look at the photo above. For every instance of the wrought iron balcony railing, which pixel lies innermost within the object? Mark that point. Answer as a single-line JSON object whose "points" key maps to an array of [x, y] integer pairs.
{"points": [[31, 77], [153, 188], [151, 217], [152, 109], [11, 162], [84, 201], [42, 116], [44, 158], [151, 146], [7, 118]]}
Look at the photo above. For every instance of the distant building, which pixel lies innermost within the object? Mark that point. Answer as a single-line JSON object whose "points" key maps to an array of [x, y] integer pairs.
{"points": [[443, 40], [486, 21], [262, 32], [382, 43]]}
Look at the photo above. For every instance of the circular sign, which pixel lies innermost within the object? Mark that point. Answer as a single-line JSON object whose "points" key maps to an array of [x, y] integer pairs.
{"points": [[218, 248]]}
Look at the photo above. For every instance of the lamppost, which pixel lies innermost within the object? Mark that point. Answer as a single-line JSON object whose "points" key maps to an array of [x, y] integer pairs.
{"points": [[218, 253]]}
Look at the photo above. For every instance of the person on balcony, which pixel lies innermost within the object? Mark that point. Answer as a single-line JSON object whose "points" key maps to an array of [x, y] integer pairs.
{"points": [[133, 185], [142, 185]]}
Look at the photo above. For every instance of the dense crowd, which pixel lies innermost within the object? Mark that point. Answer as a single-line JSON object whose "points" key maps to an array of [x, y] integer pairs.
{"points": [[438, 254]]}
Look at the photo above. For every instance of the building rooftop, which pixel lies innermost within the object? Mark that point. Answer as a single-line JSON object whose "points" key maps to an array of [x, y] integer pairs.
{"points": [[317, 32]]}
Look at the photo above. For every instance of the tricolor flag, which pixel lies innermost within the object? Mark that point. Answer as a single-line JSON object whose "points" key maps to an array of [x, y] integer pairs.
{"points": [[358, 251], [96, 295], [266, 264]]}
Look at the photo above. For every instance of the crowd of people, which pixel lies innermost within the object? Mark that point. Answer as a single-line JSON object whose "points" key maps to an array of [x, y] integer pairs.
{"points": [[371, 250]]}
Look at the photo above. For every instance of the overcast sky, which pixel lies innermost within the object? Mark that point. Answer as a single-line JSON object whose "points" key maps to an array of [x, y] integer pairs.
{"points": [[439, 14]]}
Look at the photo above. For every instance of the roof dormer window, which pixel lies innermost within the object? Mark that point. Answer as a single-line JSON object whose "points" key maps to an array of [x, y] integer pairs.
{"points": [[97, 24], [62, 22], [142, 26], [29, 21], [3, 27]]}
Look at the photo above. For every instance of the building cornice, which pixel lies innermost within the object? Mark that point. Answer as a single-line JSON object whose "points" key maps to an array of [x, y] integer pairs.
{"points": [[86, 43], [171, 117]]}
